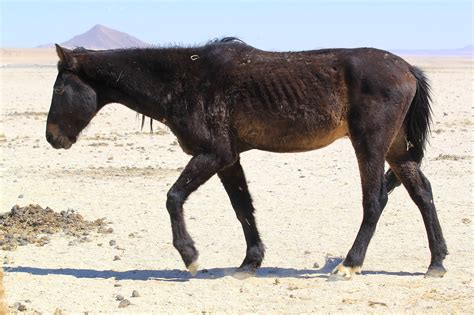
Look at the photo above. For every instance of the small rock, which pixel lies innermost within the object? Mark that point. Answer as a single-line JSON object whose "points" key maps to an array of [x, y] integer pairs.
{"points": [[103, 230], [119, 297], [27, 301], [315, 265], [117, 285], [21, 308], [116, 258], [135, 293], [84, 239], [112, 242], [7, 260], [20, 196], [307, 252], [276, 282], [466, 221], [124, 303]]}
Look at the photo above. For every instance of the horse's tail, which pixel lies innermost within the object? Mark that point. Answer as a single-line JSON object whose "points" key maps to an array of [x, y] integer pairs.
{"points": [[418, 118], [417, 124]]}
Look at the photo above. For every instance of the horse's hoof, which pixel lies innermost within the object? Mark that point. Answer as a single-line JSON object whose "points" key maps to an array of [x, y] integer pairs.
{"points": [[435, 272], [242, 275], [342, 272], [337, 277], [193, 268], [244, 272]]}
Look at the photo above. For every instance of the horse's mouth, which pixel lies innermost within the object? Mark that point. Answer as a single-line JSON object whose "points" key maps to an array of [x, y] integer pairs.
{"points": [[62, 142]]}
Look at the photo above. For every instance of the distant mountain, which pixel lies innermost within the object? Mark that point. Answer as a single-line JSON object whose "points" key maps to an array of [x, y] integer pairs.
{"points": [[48, 45], [101, 37], [465, 51]]}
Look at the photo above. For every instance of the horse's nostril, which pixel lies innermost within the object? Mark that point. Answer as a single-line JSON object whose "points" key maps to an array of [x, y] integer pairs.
{"points": [[49, 137]]}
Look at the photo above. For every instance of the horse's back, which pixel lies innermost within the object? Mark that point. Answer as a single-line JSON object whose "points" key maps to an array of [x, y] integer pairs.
{"points": [[299, 101]]}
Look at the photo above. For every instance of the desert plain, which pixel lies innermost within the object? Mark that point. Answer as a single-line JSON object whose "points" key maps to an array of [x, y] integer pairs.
{"points": [[308, 212]]}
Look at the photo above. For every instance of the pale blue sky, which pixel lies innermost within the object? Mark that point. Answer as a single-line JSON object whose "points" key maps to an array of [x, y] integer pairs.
{"points": [[280, 25]]}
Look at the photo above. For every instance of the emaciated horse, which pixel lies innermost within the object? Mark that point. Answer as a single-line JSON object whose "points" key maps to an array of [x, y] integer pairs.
{"points": [[227, 97]]}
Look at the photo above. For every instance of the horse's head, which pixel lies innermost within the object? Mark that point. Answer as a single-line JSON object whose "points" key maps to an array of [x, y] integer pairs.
{"points": [[74, 103]]}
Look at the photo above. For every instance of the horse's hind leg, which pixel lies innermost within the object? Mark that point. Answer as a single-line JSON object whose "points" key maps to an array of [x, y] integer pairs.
{"points": [[233, 179], [374, 199], [419, 188], [370, 140]]}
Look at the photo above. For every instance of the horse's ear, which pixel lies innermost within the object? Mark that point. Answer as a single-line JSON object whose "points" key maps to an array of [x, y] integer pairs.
{"points": [[63, 54], [65, 58]]}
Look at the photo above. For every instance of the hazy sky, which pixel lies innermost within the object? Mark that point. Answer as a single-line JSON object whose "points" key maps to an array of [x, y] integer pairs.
{"points": [[282, 25]]}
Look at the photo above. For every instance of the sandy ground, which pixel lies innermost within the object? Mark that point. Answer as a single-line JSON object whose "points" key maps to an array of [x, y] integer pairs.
{"points": [[308, 210]]}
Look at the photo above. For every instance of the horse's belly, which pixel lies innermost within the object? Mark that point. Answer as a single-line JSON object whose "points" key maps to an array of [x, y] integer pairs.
{"points": [[290, 138]]}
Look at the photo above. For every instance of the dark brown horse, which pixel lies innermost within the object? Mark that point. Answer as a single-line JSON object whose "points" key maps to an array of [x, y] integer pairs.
{"points": [[227, 97]]}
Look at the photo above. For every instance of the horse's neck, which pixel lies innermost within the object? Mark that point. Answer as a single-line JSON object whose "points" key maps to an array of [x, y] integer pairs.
{"points": [[139, 82]]}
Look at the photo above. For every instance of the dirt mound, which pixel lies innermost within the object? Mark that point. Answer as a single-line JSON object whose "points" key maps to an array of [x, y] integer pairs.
{"points": [[34, 225]]}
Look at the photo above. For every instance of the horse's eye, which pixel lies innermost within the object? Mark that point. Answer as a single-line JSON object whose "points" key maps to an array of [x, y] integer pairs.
{"points": [[59, 91]]}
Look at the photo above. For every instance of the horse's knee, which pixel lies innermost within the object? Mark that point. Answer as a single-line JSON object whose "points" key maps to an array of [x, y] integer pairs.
{"points": [[174, 201]]}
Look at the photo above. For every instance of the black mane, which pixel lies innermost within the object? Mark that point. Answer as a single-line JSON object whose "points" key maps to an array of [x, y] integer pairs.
{"points": [[229, 39]]}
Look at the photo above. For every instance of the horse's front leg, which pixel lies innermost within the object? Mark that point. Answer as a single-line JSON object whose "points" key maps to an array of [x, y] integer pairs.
{"points": [[197, 172], [233, 179]]}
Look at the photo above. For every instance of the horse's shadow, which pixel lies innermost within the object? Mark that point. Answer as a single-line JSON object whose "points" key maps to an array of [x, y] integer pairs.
{"points": [[176, 275]]}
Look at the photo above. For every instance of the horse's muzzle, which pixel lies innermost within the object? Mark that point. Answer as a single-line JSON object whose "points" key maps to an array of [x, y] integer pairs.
{"points": [[59, 142], [57, 138]]}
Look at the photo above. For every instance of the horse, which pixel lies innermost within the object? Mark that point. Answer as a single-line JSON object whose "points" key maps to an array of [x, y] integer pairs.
{"points": [[226, 97]]}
